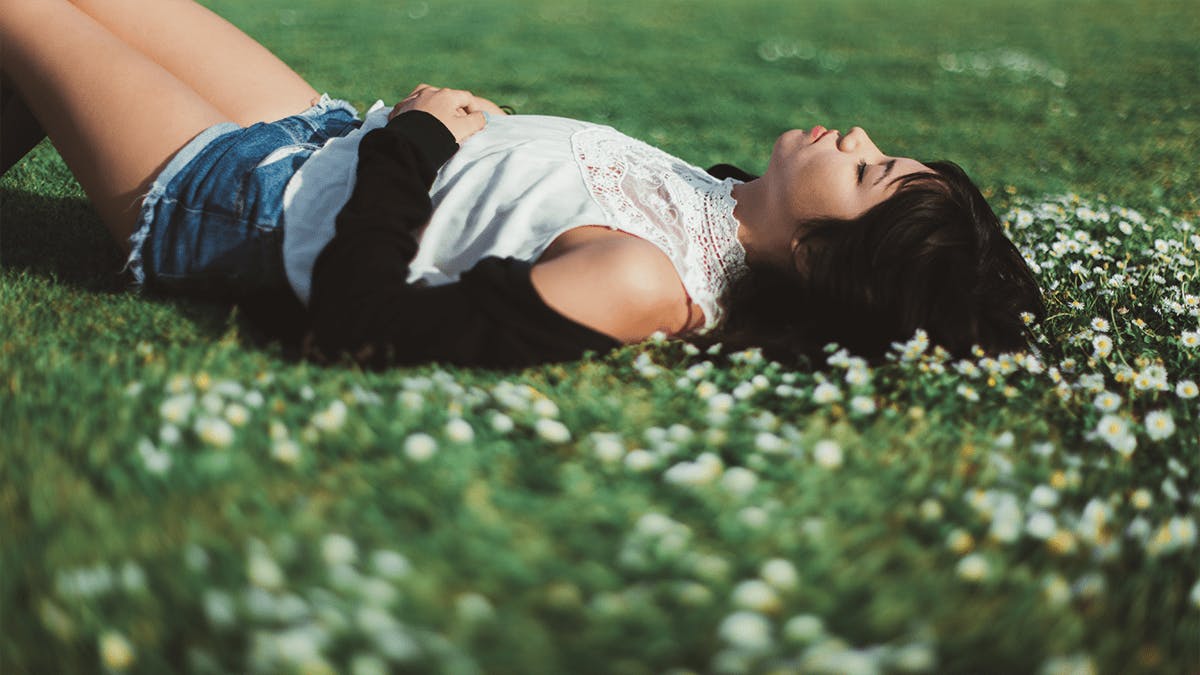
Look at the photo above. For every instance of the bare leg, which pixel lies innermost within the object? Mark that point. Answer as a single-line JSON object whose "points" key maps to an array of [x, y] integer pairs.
{"points": [[239, 76], [115, 116]]}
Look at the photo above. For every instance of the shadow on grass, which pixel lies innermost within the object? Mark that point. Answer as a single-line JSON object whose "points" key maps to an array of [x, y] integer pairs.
{"points": [[59, 238], [63, 240]]}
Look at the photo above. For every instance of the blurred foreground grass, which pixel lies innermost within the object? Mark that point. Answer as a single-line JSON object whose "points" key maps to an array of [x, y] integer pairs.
{"points": [[176, 496]]}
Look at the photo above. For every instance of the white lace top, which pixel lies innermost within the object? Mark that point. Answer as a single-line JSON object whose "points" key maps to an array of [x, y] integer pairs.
{"points": [[512, 188]]}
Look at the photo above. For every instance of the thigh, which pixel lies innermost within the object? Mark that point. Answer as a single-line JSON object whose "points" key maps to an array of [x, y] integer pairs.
{"points": [[239, 76], [114, 115]]}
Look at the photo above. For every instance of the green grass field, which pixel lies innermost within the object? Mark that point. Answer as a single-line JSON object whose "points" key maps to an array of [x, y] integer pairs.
{"points": [[178, 496]]}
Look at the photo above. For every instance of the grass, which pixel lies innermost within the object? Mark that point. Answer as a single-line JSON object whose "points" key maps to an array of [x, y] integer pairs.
{"points": [[178, 496]]}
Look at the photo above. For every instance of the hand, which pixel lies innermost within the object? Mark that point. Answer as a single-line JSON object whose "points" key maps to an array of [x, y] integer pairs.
{"points": [[460, 111]]}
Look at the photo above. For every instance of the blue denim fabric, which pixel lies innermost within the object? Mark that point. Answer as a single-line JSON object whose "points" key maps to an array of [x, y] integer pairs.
{"points": [[212, 223]]}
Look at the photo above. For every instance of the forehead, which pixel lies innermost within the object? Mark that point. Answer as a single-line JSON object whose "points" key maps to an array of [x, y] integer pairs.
{"points": [[907, 165]]}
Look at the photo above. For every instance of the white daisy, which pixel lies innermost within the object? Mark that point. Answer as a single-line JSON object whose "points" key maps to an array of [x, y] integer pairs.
{"points": [[1159, 425], [863, 405], [263, 571], [641, 460], [1041, 525], [176, 409], [116, 651], [552, 430], [1044, 496], [544, 407], [828, 454], [1107, 401], [420, 447], [214, 431], [1141, 499], [338, 549], [756, 595], [237, 414], [331, 418], [746, 630], [703, 471], [768, 442], [803, 628], [607, 446], [501, 423], [1186, 389], [826, 392], [974, 567], [459, 430], [390, 564], [739, 481], [780, 573], [286, 451]]}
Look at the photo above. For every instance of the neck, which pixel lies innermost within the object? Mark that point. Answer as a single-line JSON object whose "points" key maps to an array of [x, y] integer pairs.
{"points": [[764, 235]]}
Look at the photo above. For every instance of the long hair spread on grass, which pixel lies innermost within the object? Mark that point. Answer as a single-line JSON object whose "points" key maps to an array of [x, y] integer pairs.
{"points": [[931, 256]]}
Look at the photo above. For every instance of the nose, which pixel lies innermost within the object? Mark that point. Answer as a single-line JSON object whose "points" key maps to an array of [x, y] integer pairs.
{"points": [[856, 140]]}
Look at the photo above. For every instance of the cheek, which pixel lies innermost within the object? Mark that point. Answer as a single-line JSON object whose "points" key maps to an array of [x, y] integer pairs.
{"points": [[827, 194], [786, 155], [850, 203]]}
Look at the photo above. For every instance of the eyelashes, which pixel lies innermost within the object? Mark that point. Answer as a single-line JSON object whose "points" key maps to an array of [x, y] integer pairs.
{"points": [[862, 170]]}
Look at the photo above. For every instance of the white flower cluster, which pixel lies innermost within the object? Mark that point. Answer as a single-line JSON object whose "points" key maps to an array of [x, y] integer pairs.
{"points": [[293, 631], [656, 541], [751, 642], [212, 412], [98, 580]]}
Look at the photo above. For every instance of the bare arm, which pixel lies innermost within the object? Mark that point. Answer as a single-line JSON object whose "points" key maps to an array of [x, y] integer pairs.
{"points": [[620, 288]]}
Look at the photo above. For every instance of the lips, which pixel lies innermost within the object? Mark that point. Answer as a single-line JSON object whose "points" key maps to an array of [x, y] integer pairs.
{"points": [[818, 132]]}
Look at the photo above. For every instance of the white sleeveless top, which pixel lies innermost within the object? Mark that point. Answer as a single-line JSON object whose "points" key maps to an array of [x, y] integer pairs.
{"points": [[513, 187]]}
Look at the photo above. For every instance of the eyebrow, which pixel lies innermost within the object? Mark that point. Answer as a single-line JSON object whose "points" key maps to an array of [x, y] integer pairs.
{"points": [[886, 170]]}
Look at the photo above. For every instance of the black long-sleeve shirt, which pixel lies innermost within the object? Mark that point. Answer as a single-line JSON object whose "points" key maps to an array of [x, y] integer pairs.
{"points": [[362, 304]]}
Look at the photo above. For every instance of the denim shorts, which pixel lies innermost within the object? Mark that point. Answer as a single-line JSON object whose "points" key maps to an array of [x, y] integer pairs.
{"points": [[212, 222]]}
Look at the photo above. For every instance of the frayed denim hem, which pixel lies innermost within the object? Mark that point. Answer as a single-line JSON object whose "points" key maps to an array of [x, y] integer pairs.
{"points": [[135, 263], [187, 153], [326, 104]]}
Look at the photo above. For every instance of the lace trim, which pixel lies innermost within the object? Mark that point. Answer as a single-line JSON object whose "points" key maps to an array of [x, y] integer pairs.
{"points": [[676, 206]]}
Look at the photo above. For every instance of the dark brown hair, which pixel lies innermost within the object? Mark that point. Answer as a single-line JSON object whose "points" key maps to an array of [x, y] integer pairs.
{"points": [[931, 256]]}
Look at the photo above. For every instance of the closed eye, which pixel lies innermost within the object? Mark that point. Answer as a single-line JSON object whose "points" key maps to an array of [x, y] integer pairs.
{"points": [[862, 169]]}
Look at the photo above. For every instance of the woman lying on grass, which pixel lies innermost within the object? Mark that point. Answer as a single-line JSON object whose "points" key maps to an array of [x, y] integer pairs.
{"points": [[443, 230]]}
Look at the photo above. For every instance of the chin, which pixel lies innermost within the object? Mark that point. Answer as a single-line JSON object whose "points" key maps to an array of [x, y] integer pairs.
{"points": [[790, 138], [787, 143]]}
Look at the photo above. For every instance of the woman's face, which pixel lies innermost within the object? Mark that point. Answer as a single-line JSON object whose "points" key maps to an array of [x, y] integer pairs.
{"points": [[822, 173]]}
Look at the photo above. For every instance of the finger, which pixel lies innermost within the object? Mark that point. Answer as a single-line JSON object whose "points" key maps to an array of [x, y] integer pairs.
{"points": [[478, 121], [465, 127], [480, 104], [458, 98]]}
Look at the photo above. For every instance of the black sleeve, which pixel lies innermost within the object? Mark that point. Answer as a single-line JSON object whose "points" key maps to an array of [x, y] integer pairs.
{"points": [[361, 303]]}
